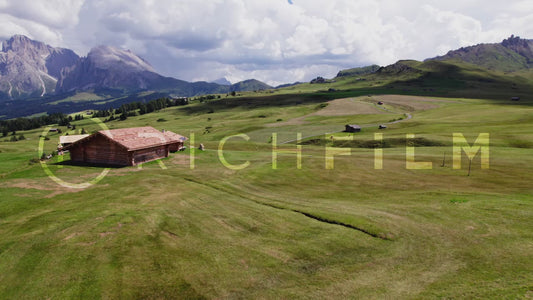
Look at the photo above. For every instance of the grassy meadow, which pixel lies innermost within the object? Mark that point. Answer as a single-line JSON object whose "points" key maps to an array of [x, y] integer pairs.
{"points": [[168, 230]]}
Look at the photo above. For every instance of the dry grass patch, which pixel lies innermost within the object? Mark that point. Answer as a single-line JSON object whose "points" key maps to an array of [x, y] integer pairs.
{"points": [[413, 102], [338, 107], [41, 185], [348, 107]]}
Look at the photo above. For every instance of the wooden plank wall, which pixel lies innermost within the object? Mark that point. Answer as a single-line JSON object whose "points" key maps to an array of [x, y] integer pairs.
{"points": [[175, 147], [149, 154], [100, 150]]}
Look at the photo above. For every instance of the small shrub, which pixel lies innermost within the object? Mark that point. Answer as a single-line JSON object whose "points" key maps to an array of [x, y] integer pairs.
{"points": [[521, 144], [33, 161], [161, 120], [387, 143], [420, 142], [262, 116], [279, 120], [315, 142], [458, 200]]}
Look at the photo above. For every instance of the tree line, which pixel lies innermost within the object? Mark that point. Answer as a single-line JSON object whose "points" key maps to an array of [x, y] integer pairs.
{"points": [[130, 109], [125, 110], [17, 124]]}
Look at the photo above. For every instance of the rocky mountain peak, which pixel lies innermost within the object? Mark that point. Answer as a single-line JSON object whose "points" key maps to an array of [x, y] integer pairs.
{"points": [[520, 46], [109, 67], [24, 46], [31, 68], [106, 57]]}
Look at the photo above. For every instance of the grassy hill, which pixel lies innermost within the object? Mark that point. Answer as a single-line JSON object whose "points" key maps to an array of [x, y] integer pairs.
{"points": [[450, 78], [512, 54], [358, 71], [165, 230], [487, 71], [249, 85]]}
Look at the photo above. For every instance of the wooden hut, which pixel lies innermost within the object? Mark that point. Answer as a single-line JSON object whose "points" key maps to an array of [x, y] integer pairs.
{"points": [[352, 128], [125, 147]]}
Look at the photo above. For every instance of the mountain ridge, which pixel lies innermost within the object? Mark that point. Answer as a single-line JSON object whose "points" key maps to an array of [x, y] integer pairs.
{"points": [[512, 54], [30, 69], [489, 71]]}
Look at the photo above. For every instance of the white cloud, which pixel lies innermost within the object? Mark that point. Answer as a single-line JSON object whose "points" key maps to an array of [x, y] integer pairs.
{"points": [[10, 25], [271, 40], [52, 13]]}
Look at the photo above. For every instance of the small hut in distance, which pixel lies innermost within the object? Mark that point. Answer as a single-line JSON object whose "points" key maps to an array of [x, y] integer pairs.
{"points": [[352, 128]]}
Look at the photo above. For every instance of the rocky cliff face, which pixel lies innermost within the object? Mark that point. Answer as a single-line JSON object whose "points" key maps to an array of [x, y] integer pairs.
{"points": [[109, 67], [31, 68], [520, 46]]}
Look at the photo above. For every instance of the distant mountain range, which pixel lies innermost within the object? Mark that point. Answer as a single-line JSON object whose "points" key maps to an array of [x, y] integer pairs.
{"points": [[36, 78], [30, 69], [222, 81]]}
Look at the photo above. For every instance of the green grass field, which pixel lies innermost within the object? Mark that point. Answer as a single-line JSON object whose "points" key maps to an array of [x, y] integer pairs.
{"points": [[213, 232]]}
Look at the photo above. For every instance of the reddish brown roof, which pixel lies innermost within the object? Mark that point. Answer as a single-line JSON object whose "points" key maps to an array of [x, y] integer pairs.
{"points": [[174, 136], [137, 138], [141, 137]]}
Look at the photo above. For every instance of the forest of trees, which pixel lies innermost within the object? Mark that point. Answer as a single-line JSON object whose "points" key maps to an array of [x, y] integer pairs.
{"points": [[7, 126], [130, 109], [125, 110]]}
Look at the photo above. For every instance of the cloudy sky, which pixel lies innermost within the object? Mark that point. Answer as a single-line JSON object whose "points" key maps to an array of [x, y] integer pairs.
{"points": [[276, 41]]}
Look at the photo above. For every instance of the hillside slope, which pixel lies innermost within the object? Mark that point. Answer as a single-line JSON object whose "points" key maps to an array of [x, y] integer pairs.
{"points": [[249, 85], [512, 54]]}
